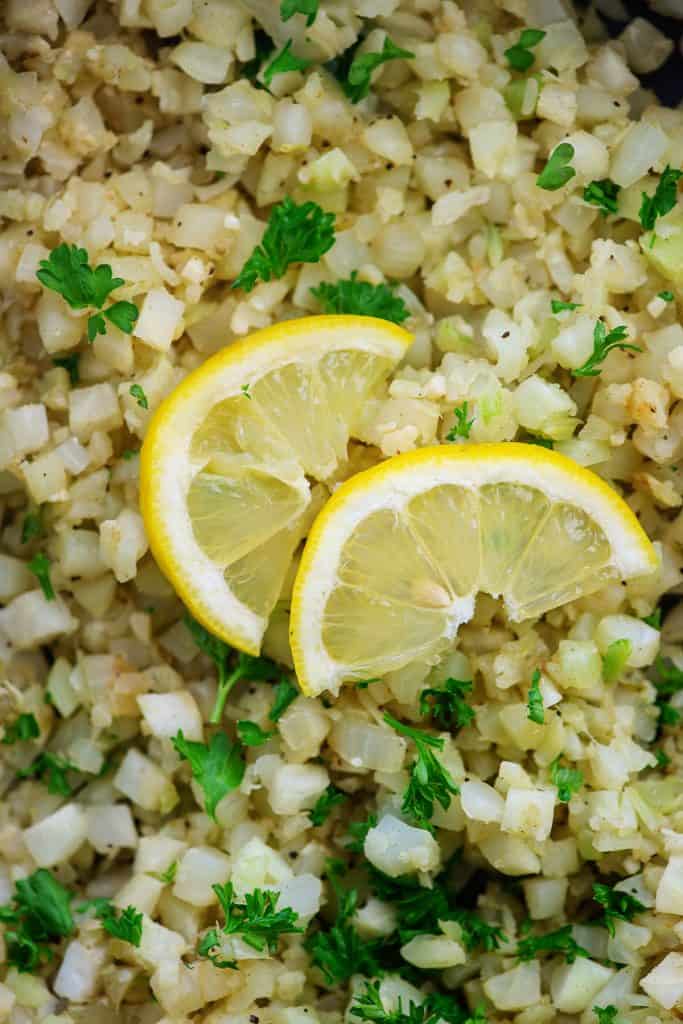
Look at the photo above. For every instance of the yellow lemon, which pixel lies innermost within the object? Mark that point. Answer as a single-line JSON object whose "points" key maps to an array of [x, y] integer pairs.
{"points": [[230, 464], [394, 561]]}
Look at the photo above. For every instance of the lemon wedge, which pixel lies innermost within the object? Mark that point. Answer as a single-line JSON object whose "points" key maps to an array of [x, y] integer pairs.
{"points": [[394, 561], [233, 466]]}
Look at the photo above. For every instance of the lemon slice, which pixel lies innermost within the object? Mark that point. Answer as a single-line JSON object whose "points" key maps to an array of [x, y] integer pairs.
{"points": [[394, 561], [232, 461]]}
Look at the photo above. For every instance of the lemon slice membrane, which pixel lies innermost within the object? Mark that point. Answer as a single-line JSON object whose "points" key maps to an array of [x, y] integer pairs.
{"points": [[231, 461], [394, 561]]}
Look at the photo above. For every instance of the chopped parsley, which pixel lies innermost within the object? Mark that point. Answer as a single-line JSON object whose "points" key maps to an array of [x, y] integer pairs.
{"points": [[667, 296], [615, 658], [257, 921], [663, 200], [617, 906], [136, 391], [217, 767], [295, 234], [668, 714], [285, 693], [663, 759], [252, 735], [561, 307], [477, 934], [654, 619], [361, 299], [339, 951], [354, 70], [558, 170], [567, 780], [283, 62], [32, 527], [603, 194], [125, 925], [324, 805], [519, 56], [535, 709], [559, 941], [167, 876], [429, 780], [603, 343], [70, 364], [605, 1014], [462, 426], [435, 1007], [358, 831], [67, 272], [309, 8], [40, 567], [245, 391], [24, 727], [52, 770], [669, 678], [129, 453], [447, 705], [40, 914]]}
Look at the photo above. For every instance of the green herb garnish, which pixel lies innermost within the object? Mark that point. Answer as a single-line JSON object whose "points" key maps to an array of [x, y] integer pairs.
{"points": [[339, 951], [283, 62], [560, 942], [615, 658], [125, 925], [520, 56], [39, 914], [567, 780], [295, 234], [67, 272], [663, 200], [325, 804], [361, 298], [258, 921], [535, 709], [663, 759], [358, 79], [70, 364], [50, 769], [309, 9], [603, 194], [218, 767], [285, 694], [32, 526], [24, 727], [429, 780], [603, 343], [654, 619], [462, 426], [358, 831], [605, 1014], [618, 906], [561, 307], [252, 735], [447, 705], [136, 391], [667, 296], [557, 172], [40, 567]]}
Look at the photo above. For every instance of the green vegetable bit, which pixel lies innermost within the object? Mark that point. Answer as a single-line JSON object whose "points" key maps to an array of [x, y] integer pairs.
{"points": [[339, 951], [562, 307], [258, 921], [39, 914], [70, 364], [32, 527], [535, 709], [463, 426], [218, 767], [309, 8], [559, 942], [615, 658], [125, 925], [285, 694], [429, 780], [567, 780], [557, 172], [361, 298], [667, 296], [358, 831], [654, 619], [325, 804], [618, 906], [24, 727], [40, 567], [67, 272], [663, 759], [283, 62], [355, 69], [137, 392], [252, 735], [447, 705], [603, 194], [663, 200], [167, 876], [368, 1006], [520, 56], [52, 770], [605, 1014], [295, 234], [603, 343]]}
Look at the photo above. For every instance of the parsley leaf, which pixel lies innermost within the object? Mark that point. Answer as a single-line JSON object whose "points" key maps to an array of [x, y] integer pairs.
{"points": [[283, 62], [25, 727], [358, 831], [614, 659], [603, 194], [295, 234], [362, 299], [309, 8], [567, 780], [285, 694], [67, 272], [50, 769], [167, 876], [667, 296], [127, 926], [32, 526], [618, 906], [252, 735], [654, 619], [358, 79], [668, 714], [70, 364], [429, 780], [663, 200], [557, 172], [435, 1007], [520, 56], [136, 391], [325, 804], [603, 343], [535, 709], [669, 678], [39, 914], [561, 307], [40, 567], [477, 934], [257, 920], [218, 767], [605, 1014], [447, 704], [663, 759], [559, 941], [339, 951], [463, 426]]}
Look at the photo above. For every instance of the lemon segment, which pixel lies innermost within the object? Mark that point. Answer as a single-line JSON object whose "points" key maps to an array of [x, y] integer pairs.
{"points": [[394, 562], [235, 460]]}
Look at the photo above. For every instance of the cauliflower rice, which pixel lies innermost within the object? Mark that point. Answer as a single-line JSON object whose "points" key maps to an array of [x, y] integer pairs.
{"points": [[136, 130]]}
